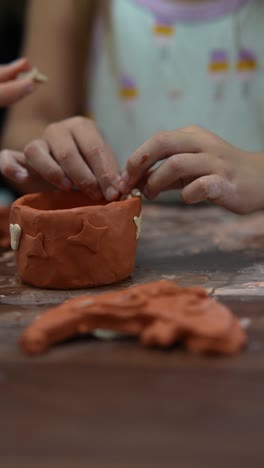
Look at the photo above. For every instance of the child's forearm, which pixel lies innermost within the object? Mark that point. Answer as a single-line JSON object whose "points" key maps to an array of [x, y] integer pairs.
{"points": [[17, 132]]}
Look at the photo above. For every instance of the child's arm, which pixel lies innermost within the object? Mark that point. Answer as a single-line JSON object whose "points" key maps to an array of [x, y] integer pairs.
{"points": [[56, 44], [203, 165], [51, 44]]}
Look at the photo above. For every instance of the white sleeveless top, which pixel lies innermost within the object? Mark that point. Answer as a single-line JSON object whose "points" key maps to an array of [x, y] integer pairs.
{"points": [[180, 65]]}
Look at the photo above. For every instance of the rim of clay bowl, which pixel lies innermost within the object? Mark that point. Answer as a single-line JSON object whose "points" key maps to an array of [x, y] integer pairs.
{"points": [[26, 201]]}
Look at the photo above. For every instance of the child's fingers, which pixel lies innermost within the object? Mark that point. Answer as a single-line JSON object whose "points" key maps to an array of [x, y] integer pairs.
{"points": [[12, 166], [160, 146], [176, 168], [12, 91], [97, 155], [38, 157], [11, 70], [211, 187], [65, 151]]}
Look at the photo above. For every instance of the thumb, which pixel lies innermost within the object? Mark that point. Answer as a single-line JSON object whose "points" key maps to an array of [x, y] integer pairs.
{"points": [[14, 90]]}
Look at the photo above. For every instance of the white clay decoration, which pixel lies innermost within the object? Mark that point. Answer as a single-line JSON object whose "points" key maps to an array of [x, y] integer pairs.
{"points": [[138, 223], [106, 334], [15, 235], [136, 192], [35, 75]]}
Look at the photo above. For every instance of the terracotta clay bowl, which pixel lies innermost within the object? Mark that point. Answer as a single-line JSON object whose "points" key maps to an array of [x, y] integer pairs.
{"points": [[64, 240]]}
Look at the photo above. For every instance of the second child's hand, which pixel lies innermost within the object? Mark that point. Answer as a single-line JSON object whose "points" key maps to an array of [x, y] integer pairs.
{"points": [[11, 88], [202, 165]]}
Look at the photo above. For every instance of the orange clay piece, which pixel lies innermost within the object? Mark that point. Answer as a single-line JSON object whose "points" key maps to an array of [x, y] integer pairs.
{"points": [[4, 226], [159, 313]]}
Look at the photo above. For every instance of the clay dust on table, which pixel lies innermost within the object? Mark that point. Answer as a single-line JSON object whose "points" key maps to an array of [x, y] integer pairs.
{"points": [[222, 230]]}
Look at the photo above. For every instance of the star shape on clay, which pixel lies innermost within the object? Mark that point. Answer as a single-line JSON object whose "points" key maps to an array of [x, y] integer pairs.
{"points": [[34, 246], [90, 236]]}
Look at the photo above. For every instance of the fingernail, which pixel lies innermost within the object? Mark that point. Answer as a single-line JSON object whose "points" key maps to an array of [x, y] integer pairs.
{"points": [[16, 61], [122, 187], [125, 177], [66, 183], [116, 181], [149, 195], [111, 193], [146, 192], [21, 175]]}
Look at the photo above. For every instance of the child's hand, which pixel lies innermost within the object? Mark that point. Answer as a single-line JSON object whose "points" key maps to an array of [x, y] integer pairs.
{"points": [[200, 163], [69, 154], [11, 89]]}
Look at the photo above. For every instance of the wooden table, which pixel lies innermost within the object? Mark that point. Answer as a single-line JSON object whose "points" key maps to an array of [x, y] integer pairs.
{"points": [[114, 404]]}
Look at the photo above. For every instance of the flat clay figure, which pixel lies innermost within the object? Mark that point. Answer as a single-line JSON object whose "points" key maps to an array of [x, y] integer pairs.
{"points": [[158, 313]]}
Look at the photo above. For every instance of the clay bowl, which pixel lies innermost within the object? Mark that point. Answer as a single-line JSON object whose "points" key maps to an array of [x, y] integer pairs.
{"points": [[64, 240]]}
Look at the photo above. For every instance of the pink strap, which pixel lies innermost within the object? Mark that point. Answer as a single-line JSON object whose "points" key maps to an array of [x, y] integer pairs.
{"points": [[167, 11]]}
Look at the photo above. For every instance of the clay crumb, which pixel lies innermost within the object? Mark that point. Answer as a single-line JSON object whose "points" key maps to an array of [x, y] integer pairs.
{"points": [[245, 322], [144, 158], [8, 255], [86, 302], [170, 277]]}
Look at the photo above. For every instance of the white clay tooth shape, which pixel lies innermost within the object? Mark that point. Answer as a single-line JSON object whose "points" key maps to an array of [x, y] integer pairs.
{"points": [[39, 77], [138, 223], [35, 75], [15, 235], [136, 192]]}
